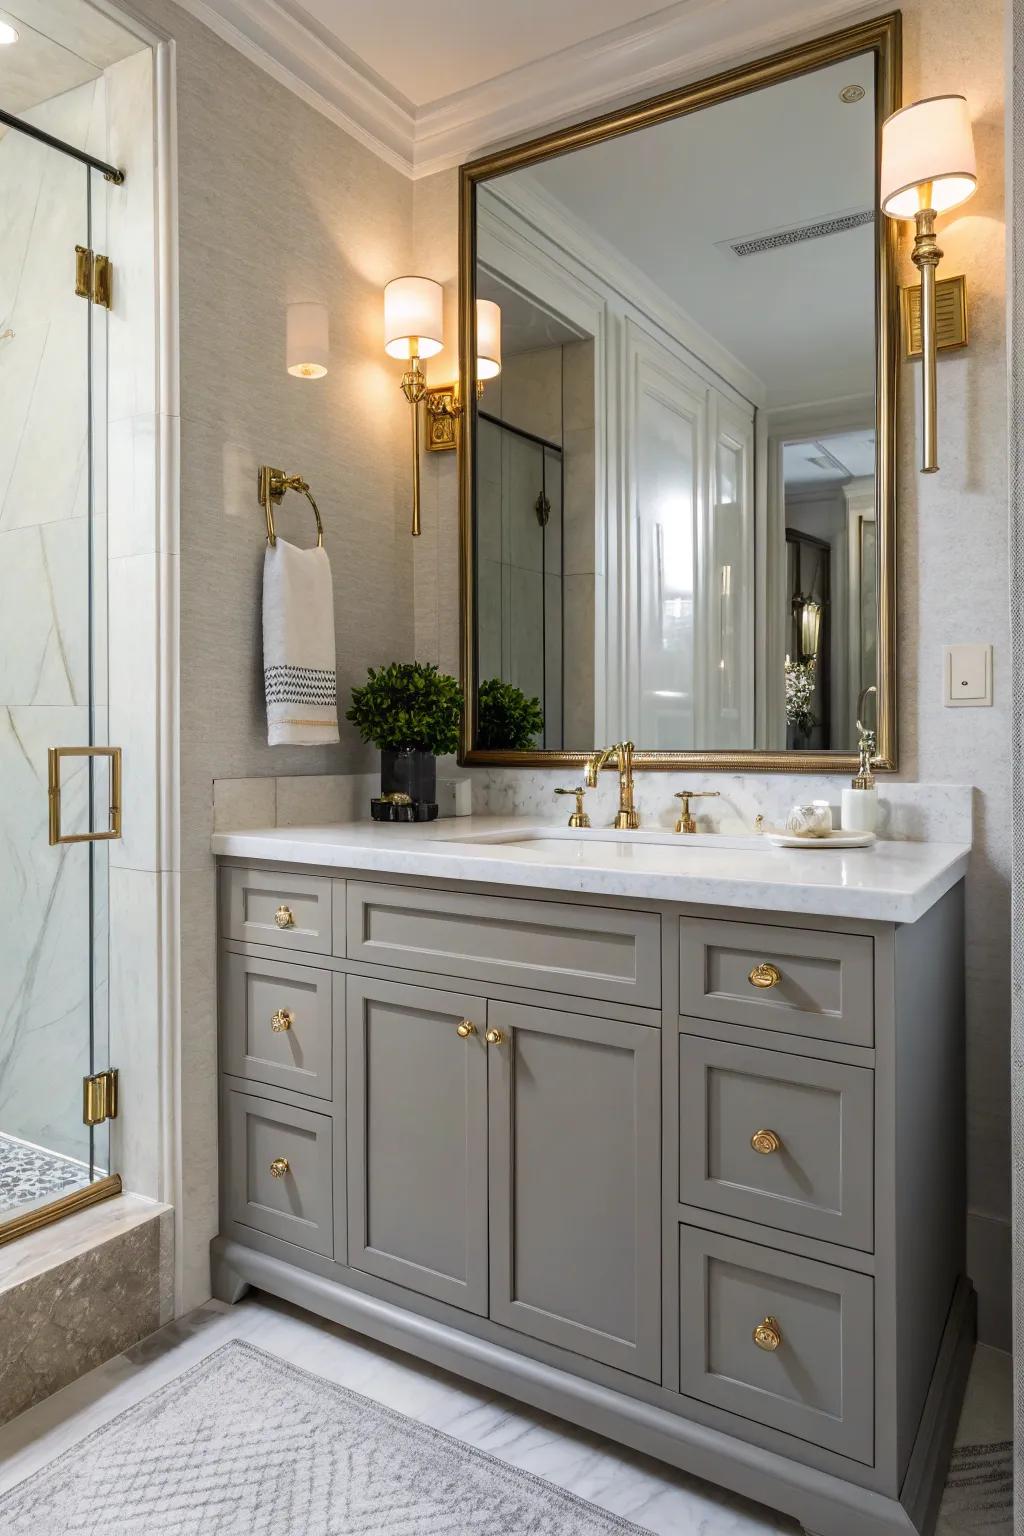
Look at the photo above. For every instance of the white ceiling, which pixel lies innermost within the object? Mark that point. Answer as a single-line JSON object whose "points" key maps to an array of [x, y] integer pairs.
{"points": [[429, 83], [429, 49], [668, 200], [829, 460], [61, 44]]}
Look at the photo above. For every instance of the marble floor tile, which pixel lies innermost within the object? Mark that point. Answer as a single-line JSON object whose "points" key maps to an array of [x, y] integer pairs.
{"points": [[633, 1486]]}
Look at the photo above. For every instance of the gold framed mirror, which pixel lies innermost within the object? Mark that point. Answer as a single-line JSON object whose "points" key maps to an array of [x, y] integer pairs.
{"points": [[677, 469]]}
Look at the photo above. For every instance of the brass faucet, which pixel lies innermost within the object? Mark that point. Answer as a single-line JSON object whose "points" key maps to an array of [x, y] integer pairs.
{"points": [[628, 817], [687, 822]]}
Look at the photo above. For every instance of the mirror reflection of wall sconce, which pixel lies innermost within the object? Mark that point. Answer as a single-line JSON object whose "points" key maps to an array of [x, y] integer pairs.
{"points": [[414, 330], [928, 168], [443, 404], [307, 342], [808, 615]]}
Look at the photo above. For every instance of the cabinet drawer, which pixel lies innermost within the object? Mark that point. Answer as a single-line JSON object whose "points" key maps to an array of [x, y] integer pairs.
{"points": [[277, 907], [550, 945], [278, 1170], [811, 982], [276, 1024], [818, 1383], [779, 1139]]}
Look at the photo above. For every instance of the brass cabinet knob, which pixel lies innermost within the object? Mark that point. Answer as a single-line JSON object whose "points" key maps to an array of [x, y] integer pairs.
{"points": [[279, 1167], [765, 975], [465, 1029], [768, 1335], [494, 1037], [282, 1020], [765, 1142], [284, 917]]}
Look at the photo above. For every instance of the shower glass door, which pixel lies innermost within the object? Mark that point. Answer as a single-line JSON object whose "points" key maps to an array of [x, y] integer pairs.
{"points": [[53, 671]]}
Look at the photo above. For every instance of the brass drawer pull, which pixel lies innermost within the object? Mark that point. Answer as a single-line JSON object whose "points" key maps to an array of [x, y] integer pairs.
{"points": [[466, 1029], [765, 1142], [765, 975], [284, 917], [768, 1335], [494, 1037], [282, 1020], [279, 1167]]}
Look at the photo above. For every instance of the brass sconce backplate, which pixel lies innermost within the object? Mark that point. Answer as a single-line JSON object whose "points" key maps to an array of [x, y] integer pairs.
{"points": [[443, 410], [950, 316]]}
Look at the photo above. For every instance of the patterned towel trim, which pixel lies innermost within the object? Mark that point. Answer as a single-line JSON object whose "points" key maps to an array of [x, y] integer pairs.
{"points": [[301, 685]]}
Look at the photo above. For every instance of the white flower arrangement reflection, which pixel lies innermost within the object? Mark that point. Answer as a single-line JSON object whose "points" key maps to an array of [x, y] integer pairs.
{"points": [[800, 682]]}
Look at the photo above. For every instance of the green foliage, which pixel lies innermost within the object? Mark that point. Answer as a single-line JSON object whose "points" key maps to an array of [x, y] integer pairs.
{"points": [[408, 704], [507, 718]]}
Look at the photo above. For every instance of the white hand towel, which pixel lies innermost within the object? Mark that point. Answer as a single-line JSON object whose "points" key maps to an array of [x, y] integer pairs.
{"points": [[299, 662]]}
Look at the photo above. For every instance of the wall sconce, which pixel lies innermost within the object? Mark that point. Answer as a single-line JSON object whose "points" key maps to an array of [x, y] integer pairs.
{"points": [[808, 613], [443, 404], [928, 167], [307, 345], [414, 329]]}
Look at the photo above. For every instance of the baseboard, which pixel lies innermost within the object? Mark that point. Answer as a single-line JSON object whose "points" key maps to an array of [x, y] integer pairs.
{"points": [[990, 1266]]}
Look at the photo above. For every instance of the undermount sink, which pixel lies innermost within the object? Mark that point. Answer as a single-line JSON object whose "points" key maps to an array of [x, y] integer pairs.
{"points": [[571, 840]]}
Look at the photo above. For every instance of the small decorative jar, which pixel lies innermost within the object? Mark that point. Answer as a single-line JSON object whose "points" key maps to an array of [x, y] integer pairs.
{"points": [[812, 820]]}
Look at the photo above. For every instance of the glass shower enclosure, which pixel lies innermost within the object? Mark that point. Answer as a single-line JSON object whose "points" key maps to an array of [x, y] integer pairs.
{"points": [[59, 777]]}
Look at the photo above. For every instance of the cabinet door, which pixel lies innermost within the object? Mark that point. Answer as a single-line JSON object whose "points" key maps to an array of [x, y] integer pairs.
{"points": [[575, 1187], [417, 1139]]}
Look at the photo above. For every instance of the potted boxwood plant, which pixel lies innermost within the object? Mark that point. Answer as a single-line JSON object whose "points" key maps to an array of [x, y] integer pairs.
{"points": [[410, 711], [506, 717]]}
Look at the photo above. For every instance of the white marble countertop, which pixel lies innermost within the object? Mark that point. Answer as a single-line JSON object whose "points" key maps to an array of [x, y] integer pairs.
{"points": [[889, 882]]}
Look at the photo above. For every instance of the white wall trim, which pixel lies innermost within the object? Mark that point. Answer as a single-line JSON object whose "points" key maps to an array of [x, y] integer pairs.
{"points": [[680, 43]]}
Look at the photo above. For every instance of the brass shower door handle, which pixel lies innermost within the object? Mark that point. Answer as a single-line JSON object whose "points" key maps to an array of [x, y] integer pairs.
{"points": [[54, 756]]}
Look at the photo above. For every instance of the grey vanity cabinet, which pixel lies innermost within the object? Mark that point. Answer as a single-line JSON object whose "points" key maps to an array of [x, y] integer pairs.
{"points": [[549, 1134], [689, 1178], [575, 1191], [417, 1139]]}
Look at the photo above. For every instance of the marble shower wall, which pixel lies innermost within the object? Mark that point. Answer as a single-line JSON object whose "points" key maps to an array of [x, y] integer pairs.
{"points": [[44, 624]]}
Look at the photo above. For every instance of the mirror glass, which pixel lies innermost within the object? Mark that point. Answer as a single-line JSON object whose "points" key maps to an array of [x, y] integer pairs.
{"points": [[674, 472]]}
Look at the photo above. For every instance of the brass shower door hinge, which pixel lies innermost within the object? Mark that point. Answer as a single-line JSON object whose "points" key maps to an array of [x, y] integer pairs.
{"points": [[94, 276], [99, 1097]]}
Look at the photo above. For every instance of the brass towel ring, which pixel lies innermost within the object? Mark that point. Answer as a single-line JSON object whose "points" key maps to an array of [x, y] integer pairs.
{"points": [[272, 485]]}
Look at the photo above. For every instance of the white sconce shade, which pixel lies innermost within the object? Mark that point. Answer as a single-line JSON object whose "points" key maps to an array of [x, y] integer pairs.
{"points": [[413, 317], [8, 34], [927, 143], [488, 339], [307, 348]]}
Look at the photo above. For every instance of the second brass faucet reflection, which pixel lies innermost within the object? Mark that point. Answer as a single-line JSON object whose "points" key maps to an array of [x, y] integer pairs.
{"points": [[627, 817]]}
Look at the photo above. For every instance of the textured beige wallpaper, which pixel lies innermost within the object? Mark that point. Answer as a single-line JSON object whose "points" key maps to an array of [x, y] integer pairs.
{"points": [[275, 204], [953, 580]]}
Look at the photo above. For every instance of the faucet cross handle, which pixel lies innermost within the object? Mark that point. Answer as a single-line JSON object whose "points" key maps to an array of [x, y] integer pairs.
{"points": [[687, 822], [579, 817]]}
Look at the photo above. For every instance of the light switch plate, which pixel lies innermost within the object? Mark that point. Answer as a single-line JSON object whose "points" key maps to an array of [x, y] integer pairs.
{"points": [[967, 676]]}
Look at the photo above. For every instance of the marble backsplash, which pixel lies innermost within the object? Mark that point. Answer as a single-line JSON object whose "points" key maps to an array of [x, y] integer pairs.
{"points": [[940, 813]]}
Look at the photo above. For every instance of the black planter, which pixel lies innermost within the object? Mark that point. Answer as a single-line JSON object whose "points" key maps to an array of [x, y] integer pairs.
{"points": [[409, 771]]}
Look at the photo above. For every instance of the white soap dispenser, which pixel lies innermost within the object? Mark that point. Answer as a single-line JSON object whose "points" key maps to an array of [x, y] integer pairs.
{"points": [[860, 800]]}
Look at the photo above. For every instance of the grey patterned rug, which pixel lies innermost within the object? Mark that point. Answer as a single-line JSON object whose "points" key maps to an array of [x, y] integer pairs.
{"points": [[979, 1491], [246, 1443]]}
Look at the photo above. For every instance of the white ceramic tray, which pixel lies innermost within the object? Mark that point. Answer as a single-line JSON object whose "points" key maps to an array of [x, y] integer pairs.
{"points": [[833, 840]]}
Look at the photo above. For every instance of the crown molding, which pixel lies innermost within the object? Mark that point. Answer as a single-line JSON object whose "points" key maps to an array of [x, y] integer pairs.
{"points": [[676, 45]]}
